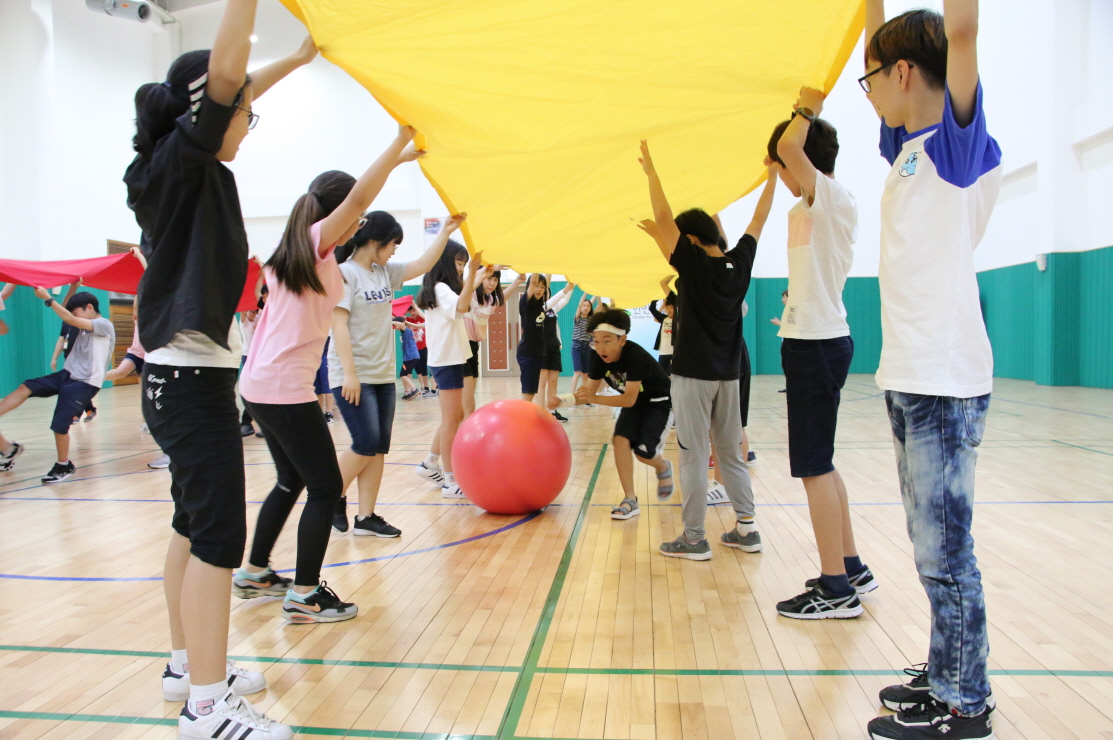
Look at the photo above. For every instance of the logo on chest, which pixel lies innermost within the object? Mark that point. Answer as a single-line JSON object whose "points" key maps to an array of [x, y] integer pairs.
{"points": [[908, 169], [378, 296]]}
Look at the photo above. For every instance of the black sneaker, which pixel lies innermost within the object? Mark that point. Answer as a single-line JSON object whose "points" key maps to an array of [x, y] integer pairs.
{"points": [[863, 582], [930, 721], [374, 525], [558, 417], [246, 430], [7, 460], [340, 516], [329, 418], [819, 603], [908, 696], [322, 605], [411, 394], [259, 435], [60, 472]]}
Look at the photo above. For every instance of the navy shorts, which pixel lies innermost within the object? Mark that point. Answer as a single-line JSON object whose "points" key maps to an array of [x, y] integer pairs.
{"points": [[137, 361], [815, 372], [73, 397], [646, 425], [449, 377], [371, 421], [320, 382], [471, 367], [530, 368], [581, 357]]}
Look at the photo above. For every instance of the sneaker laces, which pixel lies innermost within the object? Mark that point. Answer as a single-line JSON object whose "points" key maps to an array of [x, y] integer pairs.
{"points": [[235, 670], [328, 593], [918, 672], [243, 711]]}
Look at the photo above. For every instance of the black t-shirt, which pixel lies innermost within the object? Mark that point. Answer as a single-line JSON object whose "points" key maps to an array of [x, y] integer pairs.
{"points": [[708, 342], [70, 333], [532, 317], [634, 364], [187, 205]]}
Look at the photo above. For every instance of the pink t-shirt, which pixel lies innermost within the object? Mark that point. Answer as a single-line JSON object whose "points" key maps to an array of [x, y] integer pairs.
{"points": [[136, 348], [290, 335]]}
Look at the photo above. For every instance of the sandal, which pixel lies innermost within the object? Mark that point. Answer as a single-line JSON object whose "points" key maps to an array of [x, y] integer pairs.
{"points": [[628, 508], [664, 491]]}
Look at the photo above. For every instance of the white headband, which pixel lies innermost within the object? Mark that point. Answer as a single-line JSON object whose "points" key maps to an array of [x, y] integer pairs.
{"points": [[611, 328]]}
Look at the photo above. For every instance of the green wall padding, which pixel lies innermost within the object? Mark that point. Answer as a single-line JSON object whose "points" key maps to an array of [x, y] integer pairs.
{"points": [[33, 330]]}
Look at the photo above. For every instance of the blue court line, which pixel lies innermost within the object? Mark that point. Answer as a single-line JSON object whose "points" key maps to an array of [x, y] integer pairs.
{"points": [[512, 525]]}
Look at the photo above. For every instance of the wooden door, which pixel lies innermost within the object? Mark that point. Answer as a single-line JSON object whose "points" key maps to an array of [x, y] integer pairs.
{"points": [[498, 354]]}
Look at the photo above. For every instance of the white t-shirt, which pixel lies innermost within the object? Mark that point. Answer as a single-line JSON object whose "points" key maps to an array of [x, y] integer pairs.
{"points": [[819, 257], [88, 360], [368, 296], [446, 336], [665, 348], [937, 201], [247, 331], [191, 348]]}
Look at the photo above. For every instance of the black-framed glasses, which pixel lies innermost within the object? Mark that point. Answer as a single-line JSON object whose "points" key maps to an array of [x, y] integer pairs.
{"points": [[864, 80], [252, 118]]}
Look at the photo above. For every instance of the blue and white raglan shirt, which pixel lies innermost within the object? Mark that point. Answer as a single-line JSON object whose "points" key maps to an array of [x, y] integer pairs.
{"points": [[934, 210]]}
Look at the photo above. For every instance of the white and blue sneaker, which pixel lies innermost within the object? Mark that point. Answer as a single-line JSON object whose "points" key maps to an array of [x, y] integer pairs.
{"points": [[433, 475], [229, 718]]}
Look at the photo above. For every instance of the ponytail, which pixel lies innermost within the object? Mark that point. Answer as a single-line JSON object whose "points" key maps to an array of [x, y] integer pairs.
{"points": [[295, 260], [159, 104]]}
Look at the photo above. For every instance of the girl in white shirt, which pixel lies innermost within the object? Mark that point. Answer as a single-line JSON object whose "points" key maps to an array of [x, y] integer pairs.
{"points": [[446, 298]]}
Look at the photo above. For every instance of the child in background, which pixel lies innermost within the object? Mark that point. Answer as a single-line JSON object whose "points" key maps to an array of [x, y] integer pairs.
{"points": [[486, 300], [416, 322], [664, 315], [409, 354], [551, 362], [708, 358], [320, 386], [531, 346], [74, 385], [5, 293], [581, 341], [936, 361], [646, 416], [66, 338], [362, 360], [446, 299], [248, 321], [816, 351]]}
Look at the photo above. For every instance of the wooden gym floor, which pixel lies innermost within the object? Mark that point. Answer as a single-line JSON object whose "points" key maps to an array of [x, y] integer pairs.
{"points": [[568, 624]]}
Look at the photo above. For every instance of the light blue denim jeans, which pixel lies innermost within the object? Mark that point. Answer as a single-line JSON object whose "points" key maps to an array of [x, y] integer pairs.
{"points": [[936, 439]]}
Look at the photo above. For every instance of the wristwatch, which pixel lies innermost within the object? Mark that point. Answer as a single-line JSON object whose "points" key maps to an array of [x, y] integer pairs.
{"points": [[48, 302], [806, 113]]}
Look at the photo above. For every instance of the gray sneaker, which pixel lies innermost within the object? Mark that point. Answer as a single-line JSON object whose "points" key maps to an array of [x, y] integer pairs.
{"points": [[682, 548], [747, 543]]}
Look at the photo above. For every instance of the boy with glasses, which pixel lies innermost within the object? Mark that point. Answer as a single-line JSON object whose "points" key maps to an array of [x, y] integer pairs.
{"points": [[936, 364]]}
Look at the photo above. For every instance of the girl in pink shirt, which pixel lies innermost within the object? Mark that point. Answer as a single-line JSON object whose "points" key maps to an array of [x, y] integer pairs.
{"points": [[305, 285]]}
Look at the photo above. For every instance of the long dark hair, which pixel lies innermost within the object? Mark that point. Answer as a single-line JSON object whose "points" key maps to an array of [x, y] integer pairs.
{"points": [[494, 296], [159, 104], [444, 271], [380, 228], [293, 262]]}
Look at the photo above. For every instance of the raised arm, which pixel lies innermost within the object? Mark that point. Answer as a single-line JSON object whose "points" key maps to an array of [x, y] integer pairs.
{"points": [[790, 148], [960, 20], [667, 234], [7, 291], [463, 303], [764, 203], [425, 262], [875, 17], [560, 300], [264, 79], [515, 283], [366, 188], [232, 47], [63, 312]]}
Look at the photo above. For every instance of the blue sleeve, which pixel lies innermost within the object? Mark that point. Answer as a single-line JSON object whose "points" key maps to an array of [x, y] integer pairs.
{"points": [[892, 141], [962, 155]]}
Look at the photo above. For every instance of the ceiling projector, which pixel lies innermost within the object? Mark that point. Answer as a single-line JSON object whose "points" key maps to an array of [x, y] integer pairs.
{"points": [[135, 10]]}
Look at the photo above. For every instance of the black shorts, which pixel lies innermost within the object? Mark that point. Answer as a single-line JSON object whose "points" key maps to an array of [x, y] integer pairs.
{"points": [[530, 368], [815, 372], [74, 396], [551, 360], [192, 414], [471, 367], [137, 361], [646, 425], [665, 361]]}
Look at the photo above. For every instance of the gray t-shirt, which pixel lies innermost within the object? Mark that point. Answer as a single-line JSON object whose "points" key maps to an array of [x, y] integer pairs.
{"points": [[367, 298], [88, 359]]}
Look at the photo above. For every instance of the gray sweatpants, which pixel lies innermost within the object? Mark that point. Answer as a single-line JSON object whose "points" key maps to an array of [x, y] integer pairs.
{"points": [[703, 409]]}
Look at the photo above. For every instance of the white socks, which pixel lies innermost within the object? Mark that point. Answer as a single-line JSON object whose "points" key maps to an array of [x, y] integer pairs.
{"points": [[203, 698], [746, 526], [449, 478], [179, 663], [432, 461]]}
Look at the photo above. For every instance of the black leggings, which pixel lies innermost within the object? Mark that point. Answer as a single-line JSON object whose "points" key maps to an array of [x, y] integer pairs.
{"points": [[305, 458]]}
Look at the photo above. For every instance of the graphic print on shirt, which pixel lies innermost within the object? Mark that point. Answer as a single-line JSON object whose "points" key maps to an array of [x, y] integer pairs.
{"points": [[378, 296], [908, 169], [616, 380]]}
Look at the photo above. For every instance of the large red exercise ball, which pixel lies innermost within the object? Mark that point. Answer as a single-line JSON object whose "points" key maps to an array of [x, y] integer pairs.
{"points": [[511, 457]]}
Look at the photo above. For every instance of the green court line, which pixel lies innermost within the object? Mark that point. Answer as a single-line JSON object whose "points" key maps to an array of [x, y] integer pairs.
{"points": [[518, 695], [1080, 447], [171, 722], [263, 659]]}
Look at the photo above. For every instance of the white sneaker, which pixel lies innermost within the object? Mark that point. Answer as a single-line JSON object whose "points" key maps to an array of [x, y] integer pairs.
{"points": [[175, 686], [160, 463], [144, 429], [433, 475], [716, 493], [452, 491], [231, 717]]}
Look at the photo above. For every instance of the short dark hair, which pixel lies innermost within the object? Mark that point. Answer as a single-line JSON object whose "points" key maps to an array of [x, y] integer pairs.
{"points": [[917, 36], [695, 222], [380, 227], [613, 316], [81, 300], [821, 146]]}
